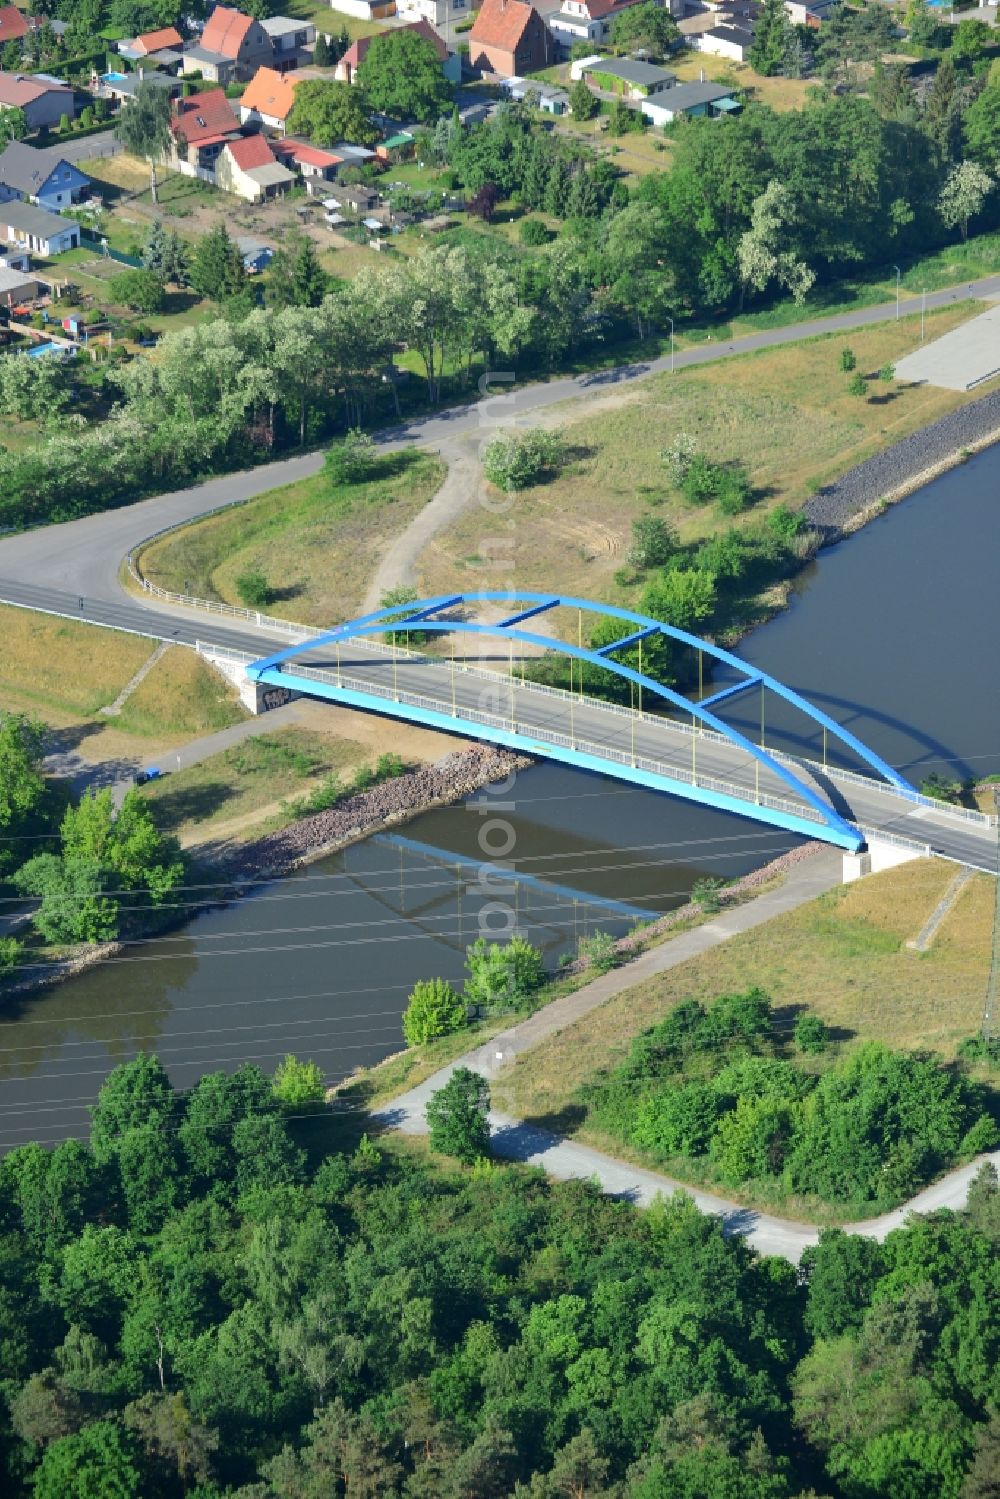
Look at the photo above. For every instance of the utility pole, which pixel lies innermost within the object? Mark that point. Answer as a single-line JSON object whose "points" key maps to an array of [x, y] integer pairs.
{"points": [[896, 269], [990, 1008], [923, 312]]}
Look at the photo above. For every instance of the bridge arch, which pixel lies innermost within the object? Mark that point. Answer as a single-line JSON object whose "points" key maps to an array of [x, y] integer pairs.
{"points": [[436, 615]]}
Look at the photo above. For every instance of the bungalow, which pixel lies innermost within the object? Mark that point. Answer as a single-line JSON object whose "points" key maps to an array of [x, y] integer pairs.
{"points": [[358, 200], [201, 126], [451, 63], [316, 167], [44, 102], [728, 40], [510, 38], [691, 100], [268, 100], [289, 41], [814, 13], [628, 78], [548, 98], [232, 47], [42, 177], [37, 230], [249, 168], [165, 47], [16, 287]]}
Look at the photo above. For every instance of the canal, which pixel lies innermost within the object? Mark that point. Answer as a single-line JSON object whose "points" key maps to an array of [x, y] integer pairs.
{"points": [[891, 632]]}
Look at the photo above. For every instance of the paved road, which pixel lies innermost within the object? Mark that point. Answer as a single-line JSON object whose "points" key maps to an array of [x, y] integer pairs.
{"points": [[83, 556], [561, 726], [568, 1160]]}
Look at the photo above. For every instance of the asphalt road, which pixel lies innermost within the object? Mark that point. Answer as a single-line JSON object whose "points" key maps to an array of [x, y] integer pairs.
{"points": [[84, 556], [659, 746]]}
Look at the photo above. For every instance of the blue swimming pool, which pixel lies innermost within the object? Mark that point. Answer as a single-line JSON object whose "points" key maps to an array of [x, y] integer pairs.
{"points": [[46, 348], [113, 77]]}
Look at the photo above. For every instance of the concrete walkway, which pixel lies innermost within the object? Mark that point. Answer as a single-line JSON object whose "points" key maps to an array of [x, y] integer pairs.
{"points": [[961, 359], [569, 1160]]}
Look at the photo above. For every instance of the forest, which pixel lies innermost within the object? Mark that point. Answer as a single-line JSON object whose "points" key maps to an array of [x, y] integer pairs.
{"points": [[232, 1292]]}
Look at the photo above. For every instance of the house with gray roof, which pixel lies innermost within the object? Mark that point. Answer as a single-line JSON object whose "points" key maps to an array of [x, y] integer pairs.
{"points": [[627, 77], [37, 230], [690, 101], [42, 177]]}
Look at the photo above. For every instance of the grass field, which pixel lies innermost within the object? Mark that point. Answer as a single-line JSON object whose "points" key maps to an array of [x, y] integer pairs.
{"points": [[63, 673], [328, 540], [843, 957], [236, 794], [575, 531]]}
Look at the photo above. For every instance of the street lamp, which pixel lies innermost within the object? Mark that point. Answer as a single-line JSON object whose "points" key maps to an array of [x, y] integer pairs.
{"points": [[896, 269], [671, 322]]}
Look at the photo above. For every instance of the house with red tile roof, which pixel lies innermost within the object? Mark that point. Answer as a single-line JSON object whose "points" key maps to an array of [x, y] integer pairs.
{"points": [[231, 47], [14, 24], [202, 124], [156, 41], [510, 38], [249, 168], [268, 100], [317, 167], [355, 55]]}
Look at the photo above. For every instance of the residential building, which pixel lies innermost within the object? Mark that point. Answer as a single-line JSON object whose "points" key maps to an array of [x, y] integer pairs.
{"points": [[232, 47], [290, 41], [164, 48], [37, 230], [357, 200], [42, 177], [691, 100], [352, 156], [256, 255], [16, 287], [315, 166], [813, 13], [14, 25], [123, 86], [586, 20], [510, 38], [44, 102], [249, 168], [451, 64], [728, 40], [434, 12], [365, 10], [628, 78], [201, 126], [546, 96], [14, 260], [268, 100]]}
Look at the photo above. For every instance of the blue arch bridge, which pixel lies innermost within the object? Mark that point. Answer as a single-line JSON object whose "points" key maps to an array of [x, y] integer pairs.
{"points": [[652, 736]]}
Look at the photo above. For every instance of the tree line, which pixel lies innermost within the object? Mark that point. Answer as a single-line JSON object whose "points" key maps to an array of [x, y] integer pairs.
{"points": [[210, 1299]]}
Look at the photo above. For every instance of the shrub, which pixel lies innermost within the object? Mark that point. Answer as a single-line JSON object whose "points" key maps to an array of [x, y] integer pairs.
{"points": [[517, 460], [705, 893], [677, 459], [10, 954], [654, 541], [887, 373], [858, 385], [940, 789], [811, 1034], [677, 1120], [350, 461], [502, 975], [598, 951], [299, 1085], [848, 361], [434, 1009], [533, 232], [254, 590], [458, 1117]]}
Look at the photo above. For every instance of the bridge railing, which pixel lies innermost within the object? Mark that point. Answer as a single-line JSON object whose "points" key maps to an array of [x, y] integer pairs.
{"points": [[548, 737]]}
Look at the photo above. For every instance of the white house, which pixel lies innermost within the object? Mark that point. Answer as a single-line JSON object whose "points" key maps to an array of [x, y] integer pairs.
{"points": [[249, 168], [437, 12], [727, 40], [36, 230], [692, 100]]}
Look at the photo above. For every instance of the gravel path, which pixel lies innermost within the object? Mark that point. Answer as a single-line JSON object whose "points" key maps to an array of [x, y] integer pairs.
{"points": [[903, 467]]}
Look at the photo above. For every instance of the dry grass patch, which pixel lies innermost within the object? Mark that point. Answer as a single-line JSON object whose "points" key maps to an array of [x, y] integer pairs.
{"points": [[57, 667], [574, 533], [842, 957], [235, 794], [181, 696], [329, 540]]}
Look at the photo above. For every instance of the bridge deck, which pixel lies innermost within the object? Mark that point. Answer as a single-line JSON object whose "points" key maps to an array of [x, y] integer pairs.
{"points": [[484, 700]]}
